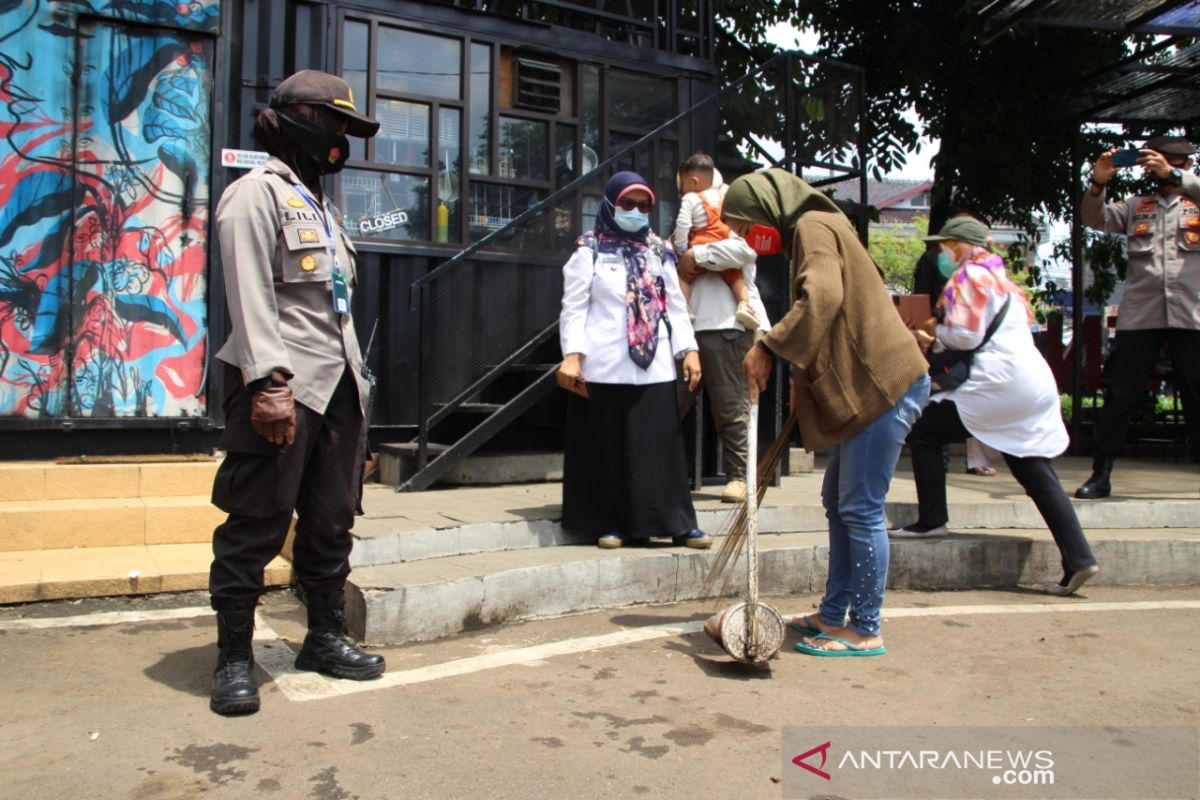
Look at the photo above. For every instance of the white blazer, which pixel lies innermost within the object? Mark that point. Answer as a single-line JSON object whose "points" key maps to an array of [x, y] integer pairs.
{"points": [[592, 321]]}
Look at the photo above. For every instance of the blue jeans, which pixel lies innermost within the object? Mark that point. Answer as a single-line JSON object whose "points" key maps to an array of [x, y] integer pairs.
{"points": [[857, 477]]}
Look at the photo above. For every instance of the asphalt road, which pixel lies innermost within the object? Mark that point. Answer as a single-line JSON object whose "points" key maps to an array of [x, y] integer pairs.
{"points": [[543, 710]]}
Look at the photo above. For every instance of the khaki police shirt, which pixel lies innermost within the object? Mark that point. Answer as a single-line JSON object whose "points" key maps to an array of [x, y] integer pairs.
{"points": [[277, 260], [1162, 284]]}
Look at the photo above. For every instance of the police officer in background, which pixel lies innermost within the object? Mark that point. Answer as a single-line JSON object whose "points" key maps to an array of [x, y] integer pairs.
{"points": [[1162, 294], [296, 395]]}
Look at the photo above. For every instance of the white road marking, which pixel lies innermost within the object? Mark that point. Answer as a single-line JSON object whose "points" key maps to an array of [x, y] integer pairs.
{"points": [[276, 657], [105, 618], [301, 686]]}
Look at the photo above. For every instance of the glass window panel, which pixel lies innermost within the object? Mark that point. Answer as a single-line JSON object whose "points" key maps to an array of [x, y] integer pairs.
{"points": [[403, 137], [665, 187], [356, 52], [416, 63], [637, 161], [524, 149], [480, 136], [447, 218], [639, 101], [493, 206], [380, 205], [564, 154]]}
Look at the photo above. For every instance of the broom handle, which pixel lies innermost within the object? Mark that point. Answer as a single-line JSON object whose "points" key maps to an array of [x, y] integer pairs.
{"points": [[752, 525]]}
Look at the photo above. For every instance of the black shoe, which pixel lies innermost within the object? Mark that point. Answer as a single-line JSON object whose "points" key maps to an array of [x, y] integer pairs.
{"points": [[1098, 484], [326, 649], [233, 687]]}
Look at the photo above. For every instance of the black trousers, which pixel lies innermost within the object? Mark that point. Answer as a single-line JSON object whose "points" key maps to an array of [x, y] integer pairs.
{"points": [[319, 476], [939, 425], [1130, 364]]}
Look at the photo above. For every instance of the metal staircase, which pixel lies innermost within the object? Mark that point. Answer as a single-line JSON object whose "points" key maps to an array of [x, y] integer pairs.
{"points": [[488, 317]]}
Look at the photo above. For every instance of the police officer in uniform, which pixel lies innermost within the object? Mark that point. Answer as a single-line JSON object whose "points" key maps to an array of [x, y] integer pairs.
{"points": [[1162, 294], [296, 394]]}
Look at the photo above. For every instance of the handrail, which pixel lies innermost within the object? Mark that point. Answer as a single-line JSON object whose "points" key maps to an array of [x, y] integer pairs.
{"points": [[587, 178]]}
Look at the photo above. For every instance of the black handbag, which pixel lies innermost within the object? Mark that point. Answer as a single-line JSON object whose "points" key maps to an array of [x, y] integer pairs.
{"points": [[950, 369]]}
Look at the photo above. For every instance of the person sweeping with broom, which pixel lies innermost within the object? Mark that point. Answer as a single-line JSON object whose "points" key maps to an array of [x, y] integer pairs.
{"points": [[860, 385]]}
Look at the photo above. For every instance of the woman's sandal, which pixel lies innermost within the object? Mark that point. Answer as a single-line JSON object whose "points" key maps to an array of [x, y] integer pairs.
{"points": [[986, 471], [804, 627]]}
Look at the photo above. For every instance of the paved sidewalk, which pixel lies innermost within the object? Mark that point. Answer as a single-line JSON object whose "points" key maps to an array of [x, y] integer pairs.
{"points": [[452, 507]]}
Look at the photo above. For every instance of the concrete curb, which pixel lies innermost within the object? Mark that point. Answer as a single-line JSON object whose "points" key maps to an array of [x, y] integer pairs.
{"points": [[428, 608], [385, 546]]}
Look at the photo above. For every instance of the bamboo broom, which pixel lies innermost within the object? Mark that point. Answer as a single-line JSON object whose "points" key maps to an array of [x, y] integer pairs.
{"points": [[733, 530]]}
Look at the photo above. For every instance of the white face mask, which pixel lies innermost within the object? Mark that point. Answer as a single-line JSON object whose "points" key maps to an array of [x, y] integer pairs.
{"points": [[631, 221]]}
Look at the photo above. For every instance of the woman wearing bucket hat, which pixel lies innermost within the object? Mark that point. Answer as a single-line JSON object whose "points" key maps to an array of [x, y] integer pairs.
{"points": [[1008, 400], [295, 390], [860, 384], [623, 325]]}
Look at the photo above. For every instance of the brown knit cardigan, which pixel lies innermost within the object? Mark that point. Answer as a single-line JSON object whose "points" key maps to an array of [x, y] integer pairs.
{"points": [[852, 355]]}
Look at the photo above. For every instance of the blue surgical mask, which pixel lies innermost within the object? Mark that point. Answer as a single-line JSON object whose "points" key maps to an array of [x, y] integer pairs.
{"points": [[631, 221], [946, 264]]}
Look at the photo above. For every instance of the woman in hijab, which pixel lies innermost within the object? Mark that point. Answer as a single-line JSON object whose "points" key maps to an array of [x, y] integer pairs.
{"points": [[1009, 400], [860, 384], [623, 325]]}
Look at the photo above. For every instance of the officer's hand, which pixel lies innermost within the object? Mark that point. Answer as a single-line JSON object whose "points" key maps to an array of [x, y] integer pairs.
{"points": [[273, 414], [1103, 170], [1154, 161]]}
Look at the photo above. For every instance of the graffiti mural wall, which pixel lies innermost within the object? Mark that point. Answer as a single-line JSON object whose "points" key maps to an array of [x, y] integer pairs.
{"points": [[104, 176]]}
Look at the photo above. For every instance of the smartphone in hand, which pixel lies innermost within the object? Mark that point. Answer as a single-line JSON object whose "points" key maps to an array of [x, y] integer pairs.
{"points": [[1126, 158]]}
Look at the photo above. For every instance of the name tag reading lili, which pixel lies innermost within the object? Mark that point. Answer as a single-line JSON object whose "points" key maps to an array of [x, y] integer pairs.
{"points": [[341, 293]]}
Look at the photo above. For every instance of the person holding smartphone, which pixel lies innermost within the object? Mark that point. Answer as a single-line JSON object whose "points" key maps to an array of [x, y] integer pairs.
{"points": [[1162, 293]]}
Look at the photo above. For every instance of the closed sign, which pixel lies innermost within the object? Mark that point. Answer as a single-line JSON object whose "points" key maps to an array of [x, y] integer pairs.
{"points": [[383, 222]]}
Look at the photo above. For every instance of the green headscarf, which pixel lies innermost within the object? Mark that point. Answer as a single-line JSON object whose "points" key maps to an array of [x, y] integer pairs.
{"points": [[775, 197]]}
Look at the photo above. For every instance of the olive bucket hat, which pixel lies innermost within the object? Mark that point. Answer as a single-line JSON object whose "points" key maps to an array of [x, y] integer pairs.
{"points": [[962, 229]]}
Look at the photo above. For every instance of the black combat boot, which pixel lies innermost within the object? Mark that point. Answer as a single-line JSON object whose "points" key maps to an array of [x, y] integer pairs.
{"points": [[1098, 485], [325, 647], [233, 687]]}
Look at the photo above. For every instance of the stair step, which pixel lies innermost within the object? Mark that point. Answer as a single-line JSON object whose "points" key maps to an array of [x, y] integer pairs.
{"points": [[399, 461], [475, 408], [106, 522], [34, 575], [28, 481]]}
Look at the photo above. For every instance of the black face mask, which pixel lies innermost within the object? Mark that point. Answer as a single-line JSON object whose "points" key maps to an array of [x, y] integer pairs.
{"points": [[328, 148]]}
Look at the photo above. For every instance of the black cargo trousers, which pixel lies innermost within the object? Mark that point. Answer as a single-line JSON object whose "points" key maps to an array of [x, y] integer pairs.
{"points": [[260, 484]]}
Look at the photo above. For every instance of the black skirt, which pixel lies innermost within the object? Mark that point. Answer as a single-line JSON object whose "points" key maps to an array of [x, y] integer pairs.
{"points": [[624, 467]]}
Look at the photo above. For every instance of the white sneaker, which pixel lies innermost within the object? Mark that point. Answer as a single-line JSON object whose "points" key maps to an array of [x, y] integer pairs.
{"points": [[734, 491], [1073, 583], [915, 531], [745, 315]]}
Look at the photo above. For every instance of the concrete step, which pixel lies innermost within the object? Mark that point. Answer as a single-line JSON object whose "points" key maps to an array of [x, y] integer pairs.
{"points": [[413, 527], [427, 599], [398, 462], [32, 575], [106, 522], [126, 503]]}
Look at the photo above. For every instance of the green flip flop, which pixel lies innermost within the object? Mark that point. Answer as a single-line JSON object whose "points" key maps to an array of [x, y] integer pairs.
{"points": [[803, 629], [851, 649]]}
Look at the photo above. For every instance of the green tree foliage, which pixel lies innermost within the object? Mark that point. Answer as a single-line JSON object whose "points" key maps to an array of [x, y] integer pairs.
{"points": [[998, 109], [897, 251]]}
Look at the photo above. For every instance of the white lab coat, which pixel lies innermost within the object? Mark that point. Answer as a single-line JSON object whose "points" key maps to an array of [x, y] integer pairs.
{"points": [[1010, 402], [592, 320]]}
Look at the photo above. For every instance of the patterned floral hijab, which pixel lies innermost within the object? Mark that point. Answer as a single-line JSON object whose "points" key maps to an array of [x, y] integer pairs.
{"points": [[966, 294], [645, 292]]}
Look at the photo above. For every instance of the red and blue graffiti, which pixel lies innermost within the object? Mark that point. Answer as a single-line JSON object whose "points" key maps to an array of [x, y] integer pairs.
{"points": [[104, 175]]}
